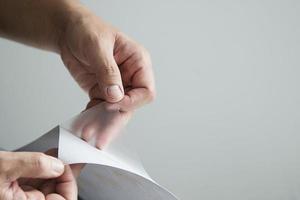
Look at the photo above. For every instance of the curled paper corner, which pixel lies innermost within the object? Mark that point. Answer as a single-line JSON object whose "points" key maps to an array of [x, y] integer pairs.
{"points": [[110, 174]]}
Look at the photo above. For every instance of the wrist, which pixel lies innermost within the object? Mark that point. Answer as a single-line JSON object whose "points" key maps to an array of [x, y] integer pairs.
{"points": [[63, 17]]}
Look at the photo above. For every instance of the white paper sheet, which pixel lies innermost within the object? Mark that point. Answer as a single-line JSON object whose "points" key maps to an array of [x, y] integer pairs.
{"points": [[111, 174]]}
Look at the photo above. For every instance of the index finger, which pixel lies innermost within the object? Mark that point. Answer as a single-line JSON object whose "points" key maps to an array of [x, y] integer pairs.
{"points": [[142, 90]]}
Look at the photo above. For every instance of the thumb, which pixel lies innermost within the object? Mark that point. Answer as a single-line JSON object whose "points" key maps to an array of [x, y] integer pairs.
{"points": [[29, 165], [109, 76]]}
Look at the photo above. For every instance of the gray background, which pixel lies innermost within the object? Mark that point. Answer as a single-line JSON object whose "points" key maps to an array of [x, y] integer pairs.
{"points": [[225, 124]]}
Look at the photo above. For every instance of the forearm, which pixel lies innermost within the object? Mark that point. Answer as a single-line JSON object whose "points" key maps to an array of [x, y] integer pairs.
{"points": [[38, 23]]}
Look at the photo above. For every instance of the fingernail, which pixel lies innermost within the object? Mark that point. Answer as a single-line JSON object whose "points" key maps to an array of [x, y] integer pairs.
{"points": [[58, 166], [115, 93]]}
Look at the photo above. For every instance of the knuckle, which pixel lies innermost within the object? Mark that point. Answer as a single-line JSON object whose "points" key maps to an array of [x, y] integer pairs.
{"points": [[110, 70], [144, 57], [4, 168], [40, 162], [4, 164], [2, 161], [7, 163]]}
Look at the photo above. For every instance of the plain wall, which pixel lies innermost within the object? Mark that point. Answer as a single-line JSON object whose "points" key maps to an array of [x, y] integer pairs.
{"points": [[225, 124]]}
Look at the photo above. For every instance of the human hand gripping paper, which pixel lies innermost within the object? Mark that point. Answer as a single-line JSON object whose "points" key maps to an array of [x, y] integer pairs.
{"points": [[111, 173]]}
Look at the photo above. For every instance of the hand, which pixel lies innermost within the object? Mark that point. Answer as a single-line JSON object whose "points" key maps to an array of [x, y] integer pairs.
{"points": [[106, 63], [27, 175]]}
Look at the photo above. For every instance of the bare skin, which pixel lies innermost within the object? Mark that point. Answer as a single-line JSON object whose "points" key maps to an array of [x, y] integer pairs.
{"points": [[108, 65], [25, 176]]}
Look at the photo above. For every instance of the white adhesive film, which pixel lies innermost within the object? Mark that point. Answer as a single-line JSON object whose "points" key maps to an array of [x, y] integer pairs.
{"points": [[112, 173]]}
